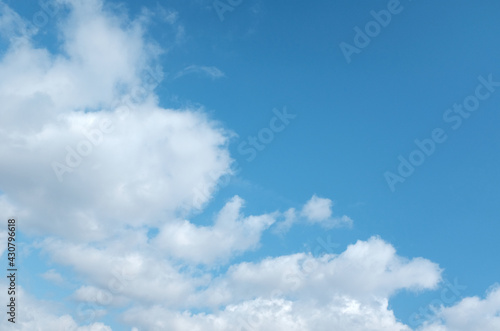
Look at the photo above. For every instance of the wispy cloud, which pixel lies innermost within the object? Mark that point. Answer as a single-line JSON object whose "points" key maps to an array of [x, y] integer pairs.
{"points": [[53, 276], [212, 72], [315, 211]]}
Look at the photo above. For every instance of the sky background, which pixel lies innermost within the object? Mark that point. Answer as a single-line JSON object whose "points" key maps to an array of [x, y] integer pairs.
{"points": [[223, 72]]}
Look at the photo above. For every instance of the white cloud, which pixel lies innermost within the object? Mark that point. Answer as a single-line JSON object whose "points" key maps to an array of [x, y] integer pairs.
{"points": [[366, 269], [33, 314], [134, 267], [274, 315], [149, 166], [125, 269], [313, 290], [146, 166], [317, 209], [232, 232], [290, 219], [472, 313], [349, 291], [146, 169], [99, 59]]}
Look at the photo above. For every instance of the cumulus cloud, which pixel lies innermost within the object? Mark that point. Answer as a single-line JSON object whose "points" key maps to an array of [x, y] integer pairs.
{"points": [[274, 315], [35, 314], [472, 313], [349, 291], [315, 211], [304, 291], [91, 163], [124, 271], [365, 269], [146, 162], [232, 233], [319, 210]]}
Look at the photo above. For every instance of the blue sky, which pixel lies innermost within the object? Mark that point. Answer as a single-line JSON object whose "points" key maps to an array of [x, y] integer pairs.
{"points": [[212, 118]]}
